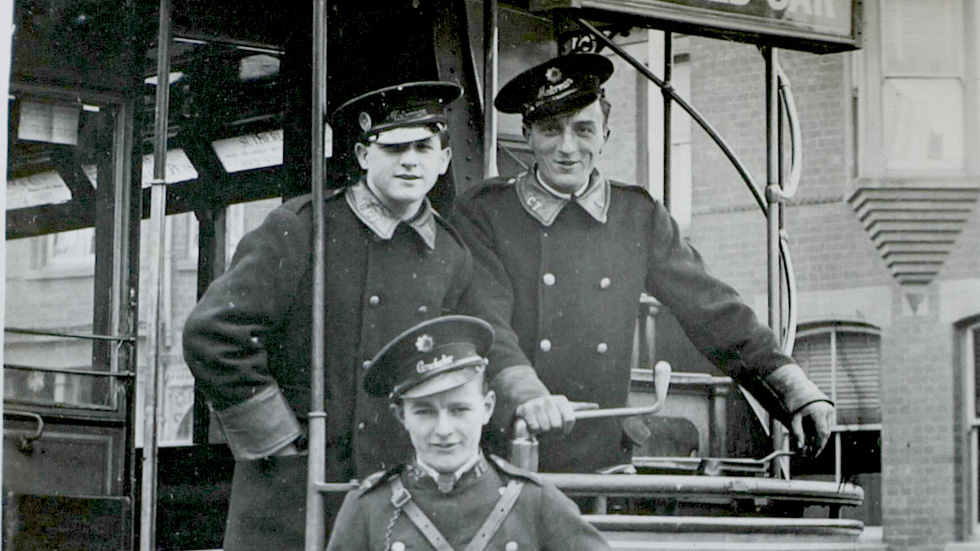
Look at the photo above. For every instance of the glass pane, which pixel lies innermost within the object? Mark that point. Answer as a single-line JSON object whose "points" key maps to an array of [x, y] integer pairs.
{"points": [[50, 276], [179, 273], [922, 38], [976, 369], [858, 379], [923, 124], [176, 424]]}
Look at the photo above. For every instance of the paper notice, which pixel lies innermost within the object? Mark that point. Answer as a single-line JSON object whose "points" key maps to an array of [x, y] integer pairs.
{"points": [[250, 151], [45, 188], [48, 122], [179, 168]]}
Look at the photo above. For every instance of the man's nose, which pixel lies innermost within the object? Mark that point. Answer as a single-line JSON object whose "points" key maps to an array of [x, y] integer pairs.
{"points": [[409, 157], [567, 141], [443, 426]]}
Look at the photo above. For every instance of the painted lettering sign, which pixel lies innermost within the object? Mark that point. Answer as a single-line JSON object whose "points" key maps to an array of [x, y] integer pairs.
{"points": [[815, 25]]}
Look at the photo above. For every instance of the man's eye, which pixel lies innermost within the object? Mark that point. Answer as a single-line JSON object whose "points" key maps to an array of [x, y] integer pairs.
{"points": [[458, 410]]}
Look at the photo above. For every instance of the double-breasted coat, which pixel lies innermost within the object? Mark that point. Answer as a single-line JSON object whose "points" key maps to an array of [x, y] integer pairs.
{"points": [[542, 518], [560, 281], [248, 345]]}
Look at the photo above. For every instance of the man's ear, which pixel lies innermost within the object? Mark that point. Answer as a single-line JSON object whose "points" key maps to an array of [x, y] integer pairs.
{"points": [[361, 152], [398, 411], [447, 155], [489, 403]]}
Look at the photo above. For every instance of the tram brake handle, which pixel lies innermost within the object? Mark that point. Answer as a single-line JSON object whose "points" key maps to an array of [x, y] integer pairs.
{"points": [[661, 380]]}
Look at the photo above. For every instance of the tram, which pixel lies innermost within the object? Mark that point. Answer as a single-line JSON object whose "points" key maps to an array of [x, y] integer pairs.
{"points": [[146, 136]]}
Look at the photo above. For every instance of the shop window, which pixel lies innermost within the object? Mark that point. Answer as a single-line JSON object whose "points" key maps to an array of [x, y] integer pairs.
{"points": [[971, 362], [844, 360]]}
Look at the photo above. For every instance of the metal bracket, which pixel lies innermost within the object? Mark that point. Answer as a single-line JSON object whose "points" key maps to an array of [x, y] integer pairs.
{"points": [[26, 444]]}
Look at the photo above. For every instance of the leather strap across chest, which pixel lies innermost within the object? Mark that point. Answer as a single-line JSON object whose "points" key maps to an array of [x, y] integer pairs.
{"points": [[402, 499]]}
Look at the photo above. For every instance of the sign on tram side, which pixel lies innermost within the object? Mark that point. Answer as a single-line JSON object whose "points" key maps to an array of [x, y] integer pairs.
{"points": [[819, 26]]}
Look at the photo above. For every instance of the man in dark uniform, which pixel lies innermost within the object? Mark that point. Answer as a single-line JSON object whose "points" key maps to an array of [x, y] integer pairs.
{"points": [[562, 257], [451, 496], [391, 262]]}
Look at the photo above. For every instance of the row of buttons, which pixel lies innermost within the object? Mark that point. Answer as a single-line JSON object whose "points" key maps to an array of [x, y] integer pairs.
{"points": [[549, 280], [545, 346]]}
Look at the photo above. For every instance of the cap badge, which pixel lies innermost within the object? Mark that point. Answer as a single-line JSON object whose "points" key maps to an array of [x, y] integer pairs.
{"points": [[422, 367], [552, 74], [424, 343], [364, 120]]}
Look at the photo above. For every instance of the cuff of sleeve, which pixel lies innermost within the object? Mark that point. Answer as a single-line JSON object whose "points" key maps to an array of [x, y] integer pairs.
{"points": [[259, 426], [795, 390]]}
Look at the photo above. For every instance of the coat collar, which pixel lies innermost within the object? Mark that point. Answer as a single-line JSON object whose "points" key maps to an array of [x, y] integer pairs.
{"points": [[379, 219], [544, 205], [472, 470]]}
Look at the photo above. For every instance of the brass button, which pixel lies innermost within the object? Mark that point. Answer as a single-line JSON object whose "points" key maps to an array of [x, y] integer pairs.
{"points": [[397, 546], [511, 546], [545, 345], [374, 300], [366, 364], [604, 284], [602, 348], [360, 426], [549, 279], [423, 309]]}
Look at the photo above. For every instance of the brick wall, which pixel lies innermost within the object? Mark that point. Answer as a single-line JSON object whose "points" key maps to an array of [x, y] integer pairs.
{"points": [[832, 252]]}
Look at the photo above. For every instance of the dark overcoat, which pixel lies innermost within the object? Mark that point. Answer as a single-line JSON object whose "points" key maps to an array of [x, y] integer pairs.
{"points": [[248, 345], [542, 517], [560, 282]]}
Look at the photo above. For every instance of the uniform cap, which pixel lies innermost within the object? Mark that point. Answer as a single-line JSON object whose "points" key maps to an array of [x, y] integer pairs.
{"points": [[398, 114], [562, 85], [433, 356]]}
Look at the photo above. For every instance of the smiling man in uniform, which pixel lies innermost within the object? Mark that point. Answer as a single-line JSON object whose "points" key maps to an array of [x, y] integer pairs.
{"points": [[563, 255], [391, 261], [450, 496]]}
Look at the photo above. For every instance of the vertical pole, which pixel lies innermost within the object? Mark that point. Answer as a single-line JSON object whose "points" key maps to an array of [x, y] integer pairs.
{"points": [[315, 529], [158, 210], [6, 56], [666, 90], [491, 42], [780, 466]]}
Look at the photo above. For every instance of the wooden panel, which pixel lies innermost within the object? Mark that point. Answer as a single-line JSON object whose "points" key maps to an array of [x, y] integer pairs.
{"points": [[64, 523], [66, 460]]}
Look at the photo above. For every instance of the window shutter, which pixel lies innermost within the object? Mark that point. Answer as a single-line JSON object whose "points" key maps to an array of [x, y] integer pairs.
{"points": [[858, 379]]}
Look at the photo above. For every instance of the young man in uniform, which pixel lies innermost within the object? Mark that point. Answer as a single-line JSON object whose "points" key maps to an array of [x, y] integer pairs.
{"points": [[451, 496], [562, 256], [391, 262]]}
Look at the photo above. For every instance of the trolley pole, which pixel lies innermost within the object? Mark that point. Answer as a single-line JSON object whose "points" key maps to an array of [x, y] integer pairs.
{"points": [[491, 42], [315, 525], [158, 212]]}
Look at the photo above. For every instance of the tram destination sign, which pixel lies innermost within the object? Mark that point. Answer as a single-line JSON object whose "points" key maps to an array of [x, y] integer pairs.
{"points": [[820, 26]]}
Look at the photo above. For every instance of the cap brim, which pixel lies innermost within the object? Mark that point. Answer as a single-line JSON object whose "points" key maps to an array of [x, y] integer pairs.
{"points": [[443, 382], [404, 134]]}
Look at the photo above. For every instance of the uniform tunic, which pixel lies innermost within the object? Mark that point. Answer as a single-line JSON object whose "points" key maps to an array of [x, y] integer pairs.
{"points": [[248, 345], [541, 519], [560, 281]]}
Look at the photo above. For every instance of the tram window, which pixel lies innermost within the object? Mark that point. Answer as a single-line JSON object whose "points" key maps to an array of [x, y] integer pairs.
{"points": [[50, 255], [179, 297]]}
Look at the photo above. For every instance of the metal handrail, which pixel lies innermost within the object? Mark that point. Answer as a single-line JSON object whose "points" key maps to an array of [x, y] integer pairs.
{"points": [[92, 337], [66, 371], [795, 137]]}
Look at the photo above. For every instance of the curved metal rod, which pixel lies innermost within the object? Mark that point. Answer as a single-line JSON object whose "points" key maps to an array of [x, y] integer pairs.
{"points": [[661, 378], [40, 423], [789, 339], [667, 89], [795, 137]]}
